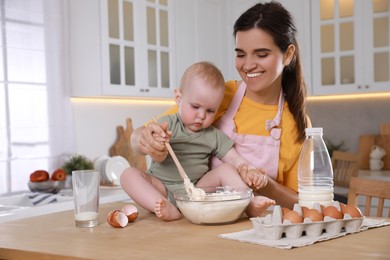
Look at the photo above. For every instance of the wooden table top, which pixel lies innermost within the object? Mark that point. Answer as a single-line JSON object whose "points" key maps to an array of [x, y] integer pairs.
{"points": [[55, 236]]}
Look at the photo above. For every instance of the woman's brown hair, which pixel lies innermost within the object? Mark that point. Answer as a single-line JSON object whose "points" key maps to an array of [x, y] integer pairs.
{"points": [[273, 18]]}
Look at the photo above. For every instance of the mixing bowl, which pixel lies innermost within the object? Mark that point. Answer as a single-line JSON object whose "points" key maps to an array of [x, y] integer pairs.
{"points": [[222, 205]]}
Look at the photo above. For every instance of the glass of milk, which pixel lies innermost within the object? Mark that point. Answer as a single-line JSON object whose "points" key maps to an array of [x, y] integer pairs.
{"points": [[86, 197]]}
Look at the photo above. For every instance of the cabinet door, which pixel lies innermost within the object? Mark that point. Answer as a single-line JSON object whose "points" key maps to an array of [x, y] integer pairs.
{"points": [[350, 46], [377, 48], [137, 48], [202, 34], [121, 48]]}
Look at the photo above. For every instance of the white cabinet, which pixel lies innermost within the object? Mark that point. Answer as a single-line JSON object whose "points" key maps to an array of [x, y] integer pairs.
{"points": [[202, 33], [350, 46], [121, 48]]}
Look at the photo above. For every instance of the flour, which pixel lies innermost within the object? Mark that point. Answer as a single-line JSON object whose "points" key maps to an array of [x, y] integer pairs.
{"points": [[216, 208], [193, 192]]}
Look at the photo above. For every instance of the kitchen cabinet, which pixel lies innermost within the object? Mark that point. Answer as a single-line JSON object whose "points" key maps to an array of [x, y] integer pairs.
{"points": [[350, 46], [121, 48], [203, 33]]}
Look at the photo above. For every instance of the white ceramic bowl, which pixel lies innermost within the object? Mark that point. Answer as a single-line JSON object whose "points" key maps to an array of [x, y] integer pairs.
{"points": [[46, 186], [222, 205]]}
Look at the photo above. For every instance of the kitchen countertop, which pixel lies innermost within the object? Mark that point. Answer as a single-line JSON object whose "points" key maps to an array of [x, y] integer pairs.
{"points": [[55, 236], [106, 194]]}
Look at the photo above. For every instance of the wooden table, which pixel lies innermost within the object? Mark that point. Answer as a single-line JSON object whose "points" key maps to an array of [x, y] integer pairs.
{"points": [[374, 175], [55, 236]]}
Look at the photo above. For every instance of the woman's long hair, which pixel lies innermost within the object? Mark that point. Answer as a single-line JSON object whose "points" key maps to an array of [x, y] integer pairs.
{"points": [[273, 18]]}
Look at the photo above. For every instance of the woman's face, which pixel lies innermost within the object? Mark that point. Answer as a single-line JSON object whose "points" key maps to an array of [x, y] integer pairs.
{"points": [[259, 61]]}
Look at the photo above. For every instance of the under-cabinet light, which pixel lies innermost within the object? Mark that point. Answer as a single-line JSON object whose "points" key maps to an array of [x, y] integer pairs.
{"points": [[123, 101], [350, 96], [171, 102]]}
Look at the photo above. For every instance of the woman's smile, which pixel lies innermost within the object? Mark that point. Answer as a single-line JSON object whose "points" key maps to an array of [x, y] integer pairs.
{"points": [[254, 75]]}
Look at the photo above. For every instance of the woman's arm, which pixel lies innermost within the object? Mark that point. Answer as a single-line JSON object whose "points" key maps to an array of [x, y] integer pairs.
{"points": [[151, 140], [283, 196]]}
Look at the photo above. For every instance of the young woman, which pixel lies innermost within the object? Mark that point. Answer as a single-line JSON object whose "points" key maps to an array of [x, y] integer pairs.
{"points": [[264, 113]]}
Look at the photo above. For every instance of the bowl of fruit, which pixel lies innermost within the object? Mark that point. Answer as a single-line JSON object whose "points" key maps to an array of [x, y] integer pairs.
{"points": [[41, 181]]}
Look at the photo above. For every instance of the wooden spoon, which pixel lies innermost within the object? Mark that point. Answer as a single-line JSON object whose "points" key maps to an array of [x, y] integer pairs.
{"points": [[195, 193]]}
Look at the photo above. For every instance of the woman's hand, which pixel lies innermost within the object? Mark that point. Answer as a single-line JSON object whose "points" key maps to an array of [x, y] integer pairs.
{"points": [[283, 196], [254, 178], [151, 140]]}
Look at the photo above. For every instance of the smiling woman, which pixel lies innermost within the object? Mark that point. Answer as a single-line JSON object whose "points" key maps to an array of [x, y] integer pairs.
{"points": [[35, 125]]}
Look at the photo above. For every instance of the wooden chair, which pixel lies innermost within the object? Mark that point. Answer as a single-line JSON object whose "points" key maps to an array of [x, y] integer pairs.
{"points": [[369, 188], [345, 165]]}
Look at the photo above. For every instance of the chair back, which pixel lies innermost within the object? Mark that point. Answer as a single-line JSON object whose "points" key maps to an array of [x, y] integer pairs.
{"points": [[370, 189], [345, 165]]}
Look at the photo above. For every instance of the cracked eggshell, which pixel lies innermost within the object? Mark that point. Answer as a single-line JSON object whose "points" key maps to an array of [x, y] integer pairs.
{"points": [[117, 219], [131, 212]]}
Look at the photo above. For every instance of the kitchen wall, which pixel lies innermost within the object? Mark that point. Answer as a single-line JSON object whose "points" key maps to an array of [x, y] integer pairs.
{"points": [[95, 121], [344, 120]]}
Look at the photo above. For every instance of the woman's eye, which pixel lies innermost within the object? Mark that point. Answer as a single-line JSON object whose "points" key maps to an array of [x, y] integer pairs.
{"points": [[239, 55], [262, 55], [195, 107]]}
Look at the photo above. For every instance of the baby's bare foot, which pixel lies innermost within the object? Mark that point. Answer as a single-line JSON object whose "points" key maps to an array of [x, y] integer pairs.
{"points": [[166, 210], [258, 205]]}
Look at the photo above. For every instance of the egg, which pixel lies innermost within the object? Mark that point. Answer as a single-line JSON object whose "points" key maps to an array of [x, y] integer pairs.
{"points": [[285, 210], [351, 210], [292, 216], [332, 212], [304, 209], [313, 214]]}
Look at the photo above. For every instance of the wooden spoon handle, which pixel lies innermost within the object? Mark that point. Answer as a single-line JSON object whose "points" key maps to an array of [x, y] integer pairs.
{"points": [[174, 157], [178, 165]]}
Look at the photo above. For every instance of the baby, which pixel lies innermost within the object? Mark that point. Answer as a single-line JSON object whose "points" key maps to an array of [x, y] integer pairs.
{"points": [[194, 141]]}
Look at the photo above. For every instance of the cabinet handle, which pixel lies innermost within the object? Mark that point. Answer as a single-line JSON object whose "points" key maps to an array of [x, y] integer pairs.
{"points": [[367, 86], [144, 90], [359, 87]]}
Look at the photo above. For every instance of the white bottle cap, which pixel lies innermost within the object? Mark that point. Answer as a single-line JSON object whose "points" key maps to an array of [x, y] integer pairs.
{"points": [[313, 131]]}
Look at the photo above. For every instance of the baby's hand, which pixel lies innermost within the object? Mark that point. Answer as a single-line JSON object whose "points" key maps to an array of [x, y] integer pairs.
{"points": [[255, 178]]}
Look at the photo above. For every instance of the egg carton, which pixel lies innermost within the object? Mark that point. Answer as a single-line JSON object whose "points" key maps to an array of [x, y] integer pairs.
{"points": [[272, 227]]}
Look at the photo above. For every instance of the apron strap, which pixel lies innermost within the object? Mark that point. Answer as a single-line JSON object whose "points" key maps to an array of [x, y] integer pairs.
{"points": [[236, 102], [273, 125]]}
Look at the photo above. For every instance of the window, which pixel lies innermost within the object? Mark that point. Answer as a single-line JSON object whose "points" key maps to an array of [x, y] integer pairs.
{"points": [[35, 122]]}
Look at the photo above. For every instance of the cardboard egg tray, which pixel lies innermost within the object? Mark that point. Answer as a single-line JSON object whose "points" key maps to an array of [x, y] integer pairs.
{"points": [[271, 226]]}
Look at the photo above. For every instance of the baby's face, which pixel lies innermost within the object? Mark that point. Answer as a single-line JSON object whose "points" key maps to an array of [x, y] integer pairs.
{"points": [[199, 103]]}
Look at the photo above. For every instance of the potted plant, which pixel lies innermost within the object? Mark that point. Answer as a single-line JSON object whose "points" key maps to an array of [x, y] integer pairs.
{"points": [[333, 147], [76, 162]]}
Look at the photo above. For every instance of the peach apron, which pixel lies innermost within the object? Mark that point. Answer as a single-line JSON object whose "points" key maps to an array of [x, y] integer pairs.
{"points": [[260, 151]]}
